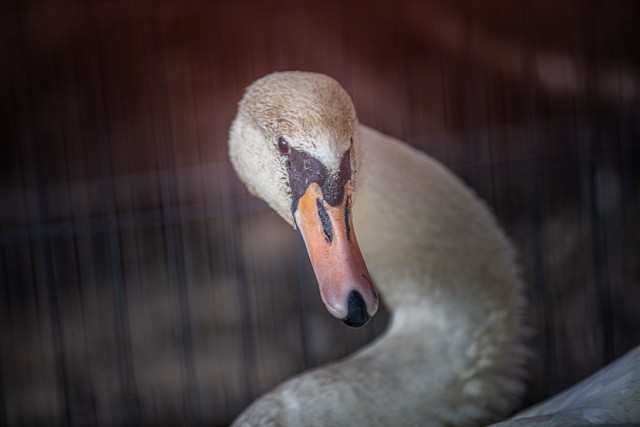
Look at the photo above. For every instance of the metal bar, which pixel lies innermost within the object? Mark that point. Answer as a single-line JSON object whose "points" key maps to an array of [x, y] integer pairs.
{"points": [[7, 334], [174, 246], [43, 250], [110, 223], [117, 222], [234, 257], [598, 227], [548, 350]]}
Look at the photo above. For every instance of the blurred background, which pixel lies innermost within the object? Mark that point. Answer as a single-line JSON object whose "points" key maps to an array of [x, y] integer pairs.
{"points": [[141, 285]]}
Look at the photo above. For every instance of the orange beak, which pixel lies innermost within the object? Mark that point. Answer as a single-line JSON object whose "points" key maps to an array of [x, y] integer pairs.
{"points": [[344, 281]]}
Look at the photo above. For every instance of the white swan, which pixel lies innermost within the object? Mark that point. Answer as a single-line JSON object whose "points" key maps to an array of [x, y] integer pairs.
{"points": [[453, 353]]}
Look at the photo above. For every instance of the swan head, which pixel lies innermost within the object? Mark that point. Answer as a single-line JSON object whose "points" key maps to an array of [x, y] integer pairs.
{"points": [[291, 144]]}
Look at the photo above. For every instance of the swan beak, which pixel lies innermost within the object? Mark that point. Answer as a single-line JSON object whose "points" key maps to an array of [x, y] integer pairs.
{"points": [[344, 281]]}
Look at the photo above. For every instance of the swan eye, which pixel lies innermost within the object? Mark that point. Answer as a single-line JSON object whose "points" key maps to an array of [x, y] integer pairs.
{"points": [[283, 146]]}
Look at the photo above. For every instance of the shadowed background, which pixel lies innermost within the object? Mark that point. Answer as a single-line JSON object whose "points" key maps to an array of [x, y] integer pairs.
{"points": [[141, 285]]}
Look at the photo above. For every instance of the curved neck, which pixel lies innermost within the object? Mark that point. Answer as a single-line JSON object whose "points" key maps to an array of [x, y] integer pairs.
{"points": [[426, 238]]}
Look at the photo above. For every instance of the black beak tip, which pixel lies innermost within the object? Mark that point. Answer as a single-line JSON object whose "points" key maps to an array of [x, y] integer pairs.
{"points": [[358, 315]]}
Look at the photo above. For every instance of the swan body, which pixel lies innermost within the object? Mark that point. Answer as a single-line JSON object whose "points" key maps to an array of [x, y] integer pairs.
{"points": [[453, 353], [611, 396]]}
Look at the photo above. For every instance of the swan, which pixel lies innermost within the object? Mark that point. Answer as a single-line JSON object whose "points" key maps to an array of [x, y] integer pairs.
{"points": [[454, 350]]}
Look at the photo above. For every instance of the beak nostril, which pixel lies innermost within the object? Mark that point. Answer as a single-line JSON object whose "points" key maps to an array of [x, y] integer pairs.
{"points": [[326, 222], [357, 315], [347, 220]]}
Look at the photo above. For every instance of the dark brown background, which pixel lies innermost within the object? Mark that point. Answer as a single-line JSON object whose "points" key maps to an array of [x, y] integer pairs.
{"points": [[141, 285]]}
